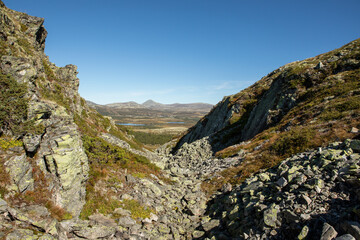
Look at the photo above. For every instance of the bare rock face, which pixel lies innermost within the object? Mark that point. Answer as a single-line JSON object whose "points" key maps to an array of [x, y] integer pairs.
{"points": [[55, 146], [64, 161]]}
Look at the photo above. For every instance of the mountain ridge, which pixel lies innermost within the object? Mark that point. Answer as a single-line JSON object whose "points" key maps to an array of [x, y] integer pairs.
{"points": [[150, 104]]}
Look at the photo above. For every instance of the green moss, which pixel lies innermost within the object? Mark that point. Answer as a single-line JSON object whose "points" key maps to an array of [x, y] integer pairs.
{"points": [[26, 46], [6, 143], [136, 209], [23, 27], [96, 202]]}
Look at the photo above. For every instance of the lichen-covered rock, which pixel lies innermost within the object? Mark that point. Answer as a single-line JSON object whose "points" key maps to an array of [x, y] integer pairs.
{"points": [[20, 171], [266, 207]]}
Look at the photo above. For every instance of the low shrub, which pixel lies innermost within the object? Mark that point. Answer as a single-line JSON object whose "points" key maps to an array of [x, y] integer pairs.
{"points": [[294, 141]]}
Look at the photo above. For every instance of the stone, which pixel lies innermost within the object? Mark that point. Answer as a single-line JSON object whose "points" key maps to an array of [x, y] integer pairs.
{"points": [[264, 177], [100, 219], [345, 237], [226, 188], [282, 182], [354, 130], [328, 232], [270, 215], [67, 163], [96, 232], [355, 145], [198, 234], [320, 65], [155, 189], [3, 206], [154, 217], [122, 212], [290, 216], [20, 171], [304, 232], [21, 234], [306, 199], [353, 228], [31, 142], [211, 225], [126, 221], [252, 187]]}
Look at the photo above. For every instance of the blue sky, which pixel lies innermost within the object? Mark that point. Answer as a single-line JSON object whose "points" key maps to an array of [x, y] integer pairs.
{"points": [[186, 50]]}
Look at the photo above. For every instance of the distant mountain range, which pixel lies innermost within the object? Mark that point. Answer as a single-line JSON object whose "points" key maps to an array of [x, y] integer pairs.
{"points": [[150, 104]]}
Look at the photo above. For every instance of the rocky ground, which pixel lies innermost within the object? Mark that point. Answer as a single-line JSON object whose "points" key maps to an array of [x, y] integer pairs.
{"points": [[311, 195], [45, 169]]}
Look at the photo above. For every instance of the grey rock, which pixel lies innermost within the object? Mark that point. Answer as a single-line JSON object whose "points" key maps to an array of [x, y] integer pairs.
{"points": [[270, 215], [320, 65], [251, 187], [20, 171], [3, 206], [306, 199], [198, 234], [100, 219], [126, 221], [345, 237], [328, 232], [96, 232], [21, 234], [31, 142], [226, 188], [211, 225], [290, 216], [282, 182], [354, 130], [355, 145], [353, 228]]}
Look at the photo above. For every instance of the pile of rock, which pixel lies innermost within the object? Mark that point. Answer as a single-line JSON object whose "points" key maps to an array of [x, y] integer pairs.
{"points": [[197, 158], [312, 195]]}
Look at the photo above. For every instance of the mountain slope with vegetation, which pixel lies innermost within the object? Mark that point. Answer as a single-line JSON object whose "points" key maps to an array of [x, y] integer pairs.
{"points": [[247, 170], [301, 105]]}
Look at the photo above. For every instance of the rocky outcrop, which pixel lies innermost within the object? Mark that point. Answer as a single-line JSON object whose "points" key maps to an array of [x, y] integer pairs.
{"points": [[271, 101], [54, 142], [312, 195]]}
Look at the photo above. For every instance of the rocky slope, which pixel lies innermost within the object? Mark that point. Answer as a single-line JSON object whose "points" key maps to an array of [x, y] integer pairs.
{"points": [[311, 195], [310, 93]]}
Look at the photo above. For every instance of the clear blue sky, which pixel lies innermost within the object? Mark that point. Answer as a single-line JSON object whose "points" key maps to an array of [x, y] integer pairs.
{"points": [[186, 50]]}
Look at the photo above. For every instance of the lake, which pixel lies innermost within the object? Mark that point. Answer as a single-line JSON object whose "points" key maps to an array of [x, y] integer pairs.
{"points": [[130, 124]]}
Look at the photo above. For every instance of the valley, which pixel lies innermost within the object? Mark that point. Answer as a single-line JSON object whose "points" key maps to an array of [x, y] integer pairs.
{"points": [[278, 160], [165, 121]]}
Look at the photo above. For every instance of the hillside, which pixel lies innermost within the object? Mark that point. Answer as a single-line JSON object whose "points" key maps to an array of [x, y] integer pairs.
{"points": [[279, 160]]}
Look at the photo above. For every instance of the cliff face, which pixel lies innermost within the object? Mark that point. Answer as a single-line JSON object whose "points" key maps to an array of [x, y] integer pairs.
{"points": [[290, 96], [55, 148]]}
